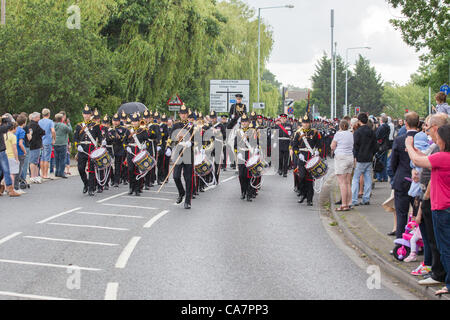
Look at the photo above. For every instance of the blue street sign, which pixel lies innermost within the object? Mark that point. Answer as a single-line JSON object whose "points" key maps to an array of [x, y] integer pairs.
{"points": [[290, 110], [232, 101], [445, 88]]}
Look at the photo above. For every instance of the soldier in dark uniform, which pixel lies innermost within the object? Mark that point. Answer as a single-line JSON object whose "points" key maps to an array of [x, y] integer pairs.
{"points": [[180, 147], [138, 130], [85, 146], [163, 159], [107, 143], [237, 109], [302, 152], [284, 137], [152, 147], [118, 134], [247, 191]]}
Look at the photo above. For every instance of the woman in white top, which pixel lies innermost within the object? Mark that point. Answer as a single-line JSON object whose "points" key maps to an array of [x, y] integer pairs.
{"points": [[342, 146]]}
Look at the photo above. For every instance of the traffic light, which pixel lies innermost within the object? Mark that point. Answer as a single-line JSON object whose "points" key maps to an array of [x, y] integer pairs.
{"points": [[406, 111], [357, 110]]}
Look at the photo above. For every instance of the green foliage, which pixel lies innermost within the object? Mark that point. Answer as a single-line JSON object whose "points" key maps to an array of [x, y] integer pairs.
{"points": [[128, 50], [398, 98], [365, 88], [426, 27]]}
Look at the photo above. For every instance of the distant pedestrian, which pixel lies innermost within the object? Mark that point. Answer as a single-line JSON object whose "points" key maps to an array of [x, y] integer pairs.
{"points": [[35, 146], [47, 141], [62, 135]]}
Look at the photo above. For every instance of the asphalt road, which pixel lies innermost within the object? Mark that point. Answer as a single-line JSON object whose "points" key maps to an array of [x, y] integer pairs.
{"points": [[56, 242]]}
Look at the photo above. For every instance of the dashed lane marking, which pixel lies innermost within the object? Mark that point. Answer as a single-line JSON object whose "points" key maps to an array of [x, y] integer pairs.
{"points": [[87, 226], [112, 197], [29, 296], [59, 215], [126, 253], [155, 218], [73, 241], [111, 291], [108, 214], [151, 198], [48, 265], [9, 237], [128, 206]]}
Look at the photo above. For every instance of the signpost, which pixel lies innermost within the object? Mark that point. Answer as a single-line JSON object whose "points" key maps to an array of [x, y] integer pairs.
{"points": [[445, 89], [259, 105], [290, 110], [174, 103], [287, 104], [222, 94]]}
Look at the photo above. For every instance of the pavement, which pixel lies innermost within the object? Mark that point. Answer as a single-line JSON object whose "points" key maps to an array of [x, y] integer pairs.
{"points": [[367, 226], [56, 243]]}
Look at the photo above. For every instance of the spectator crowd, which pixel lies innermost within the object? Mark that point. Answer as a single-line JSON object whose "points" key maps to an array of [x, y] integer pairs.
{"points": [[33, 145], [413, 155]]}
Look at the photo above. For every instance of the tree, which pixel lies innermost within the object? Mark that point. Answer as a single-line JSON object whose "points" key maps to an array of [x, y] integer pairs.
{"points": [[321, 80], [46, 65], [426, 27], [398, 98], [365, 88]]}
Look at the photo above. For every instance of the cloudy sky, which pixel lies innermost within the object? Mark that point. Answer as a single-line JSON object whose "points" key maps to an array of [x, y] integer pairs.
{"points": [[303, 33]]}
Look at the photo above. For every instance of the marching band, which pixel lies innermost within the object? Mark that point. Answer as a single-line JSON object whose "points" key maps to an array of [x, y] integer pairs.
{"points": [[141, 150]]}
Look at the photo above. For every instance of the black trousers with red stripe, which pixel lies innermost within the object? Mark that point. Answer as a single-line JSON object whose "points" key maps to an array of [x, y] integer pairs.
{"points": [[84, 159], [187, 174]]}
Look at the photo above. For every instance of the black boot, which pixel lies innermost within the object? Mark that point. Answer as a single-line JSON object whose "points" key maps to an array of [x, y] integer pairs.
{"points": [[242, 195], [310, 204], [302, 199], [249, 198], [180, 199], [137, 194], [91, 193], [130, 192], [187, 205], [85, 189]]}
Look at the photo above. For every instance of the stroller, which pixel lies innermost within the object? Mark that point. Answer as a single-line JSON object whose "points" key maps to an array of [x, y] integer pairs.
{"points": [[403, 245]]}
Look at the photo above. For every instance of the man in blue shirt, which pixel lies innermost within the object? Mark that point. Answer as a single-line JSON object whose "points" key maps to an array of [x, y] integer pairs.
{"points": [[47, 141]]}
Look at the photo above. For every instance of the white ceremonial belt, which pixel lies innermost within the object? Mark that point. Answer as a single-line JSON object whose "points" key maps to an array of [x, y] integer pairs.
{"points": [[86, 142], [284, 138], [304, 149], [132, 145]]}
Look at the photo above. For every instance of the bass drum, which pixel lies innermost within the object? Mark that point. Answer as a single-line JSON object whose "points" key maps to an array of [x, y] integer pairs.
{"points": [[316, 167], [255, 166], [202, 166], [144, 161], [101, 158]]}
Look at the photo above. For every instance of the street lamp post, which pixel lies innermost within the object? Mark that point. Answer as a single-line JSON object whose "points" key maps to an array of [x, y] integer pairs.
{"points": [[3, 12], [346, 73], [290, 6]]}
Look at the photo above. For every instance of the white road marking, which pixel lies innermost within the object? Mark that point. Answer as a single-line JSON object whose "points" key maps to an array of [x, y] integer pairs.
{"points": [[228, 179], [155, 218], [151, 198], [112, 197], [87, 226], [9, 237], [210, 187], [108, 214], [59, 215], [111, 291], [74, 241], [48, 265], [126, 253], [128, 206], [168, 192], [29, 296]]}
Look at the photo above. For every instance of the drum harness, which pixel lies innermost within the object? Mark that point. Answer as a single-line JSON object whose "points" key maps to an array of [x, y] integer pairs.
{"points": [[139, 145], [106, 171], [318, 183], [256, 152]]}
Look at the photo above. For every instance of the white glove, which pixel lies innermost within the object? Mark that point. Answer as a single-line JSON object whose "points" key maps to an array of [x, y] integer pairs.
{"points": [[168, 152], [233, 116], [158, 149], [240, 156], [316, 153], [104, 143], [129, 149], [188, 144], [80, 149], [144, 146], [301, 157]]}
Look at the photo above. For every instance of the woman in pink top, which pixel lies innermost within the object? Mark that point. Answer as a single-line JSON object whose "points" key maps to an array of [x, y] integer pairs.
{"points": [[439, 163]]}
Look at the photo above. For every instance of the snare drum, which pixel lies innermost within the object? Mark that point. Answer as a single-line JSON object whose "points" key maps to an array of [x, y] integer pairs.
{"points": [[255, 166], [144, 161], [202, 166], [316, 167], [101, 158]]}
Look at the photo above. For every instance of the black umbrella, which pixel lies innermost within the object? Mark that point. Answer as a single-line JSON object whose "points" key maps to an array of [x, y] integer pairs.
{"points": [[132, 107]]}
